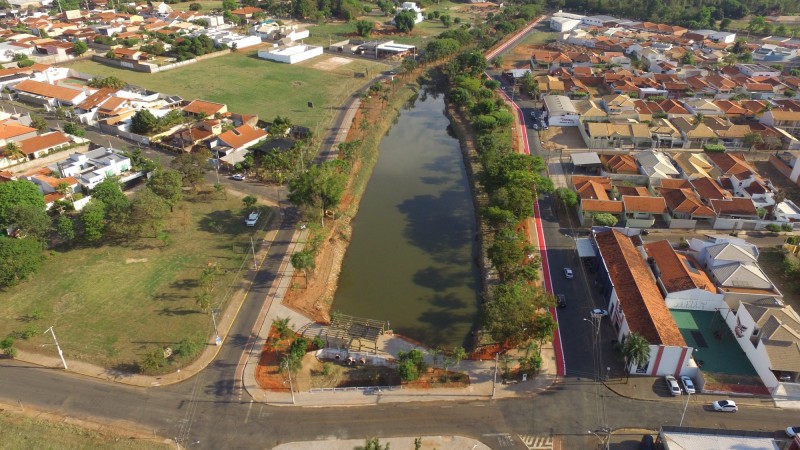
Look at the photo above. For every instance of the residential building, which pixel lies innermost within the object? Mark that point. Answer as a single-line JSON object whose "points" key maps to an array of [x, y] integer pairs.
{"points": [[41, 145], [635, 304], [642, 211], [560, 111], [205, 109], [681, 278], [788, 120], [656, 166], [620, 163], [13, 131], [758, 70], [94, 166], [615, 135], [240, 138], [693, 165], [40, 93]]}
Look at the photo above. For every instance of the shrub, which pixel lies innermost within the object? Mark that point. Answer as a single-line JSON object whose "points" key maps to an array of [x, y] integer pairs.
{"points": [[774, 227], [188, 348], [787, 227], [713, 148]]}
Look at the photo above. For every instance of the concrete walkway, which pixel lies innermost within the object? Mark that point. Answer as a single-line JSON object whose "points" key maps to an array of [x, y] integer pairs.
{"points": [[428, 443]]}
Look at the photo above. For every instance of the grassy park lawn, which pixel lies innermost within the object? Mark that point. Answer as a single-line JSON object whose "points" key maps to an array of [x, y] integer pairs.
{"points": [[250, 85], [17, 431], [207, 5], [111, 304]]}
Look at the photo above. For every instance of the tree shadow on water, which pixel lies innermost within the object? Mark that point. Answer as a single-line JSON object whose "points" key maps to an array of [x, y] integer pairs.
{"points": [[438, 223]]}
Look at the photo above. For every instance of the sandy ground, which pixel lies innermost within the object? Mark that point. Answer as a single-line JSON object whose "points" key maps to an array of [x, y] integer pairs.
{"points": [[331, 63]]}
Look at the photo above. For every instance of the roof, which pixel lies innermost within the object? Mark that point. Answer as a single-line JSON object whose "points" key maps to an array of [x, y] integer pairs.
{"points": [[621, 163], [592, 187], [652, 205], [97, 98], [610, 130], [605, 206], [686, 201], [11, 129], [716, 441], [48, 90], [585, 159], [656, 164], [729, 251], [709, 189], [639, 296], [695, 165], [736, 206], [559, 104], [43, 142], [741, 275], [779, 114], [242, 136], [731, 163], [203, 107], [677, 272]]}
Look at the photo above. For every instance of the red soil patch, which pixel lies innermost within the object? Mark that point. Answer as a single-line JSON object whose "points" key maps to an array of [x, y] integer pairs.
{"points": [[268, 374]]}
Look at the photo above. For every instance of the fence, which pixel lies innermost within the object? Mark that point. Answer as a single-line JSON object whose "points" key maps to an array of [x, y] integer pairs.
{"points": [[155, 68], [365, 389]]}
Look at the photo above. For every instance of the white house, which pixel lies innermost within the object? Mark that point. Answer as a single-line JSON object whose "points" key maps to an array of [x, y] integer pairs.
{"points": [[560, 111], [635, 304], [92, 167], [681, 279], [655, 165], [412, 6], [786, 211], [563, 24], [292, 54], [758, 70], [597, 21]]}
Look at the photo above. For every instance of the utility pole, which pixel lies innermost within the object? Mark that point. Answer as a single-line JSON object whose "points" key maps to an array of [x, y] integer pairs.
{"points": [[60, 353], [494, 378], [291, 387], [253, 248]]}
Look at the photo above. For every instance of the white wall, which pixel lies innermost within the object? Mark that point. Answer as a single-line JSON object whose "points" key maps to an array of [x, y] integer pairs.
{"points": [[696, 299], [291, 55], [758, 356]]}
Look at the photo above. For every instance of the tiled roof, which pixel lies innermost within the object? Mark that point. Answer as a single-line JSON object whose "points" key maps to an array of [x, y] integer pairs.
{"points": [[592, 187], [652, 205], [621, 163], [642, 303], [695, 165], [735, 206], [779, 114], [607, 206], [678, 272], [730, 163], [43, 142], [674, 183], [634, 191], [709, 189], [242, 136], [686, 201], [10, 130], [48, 90], [203, 107], [97, 98]]}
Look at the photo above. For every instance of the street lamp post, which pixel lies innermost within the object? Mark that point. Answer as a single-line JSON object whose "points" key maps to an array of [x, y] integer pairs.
{"points": [[685, 407], [60, 353], [595, 322]]}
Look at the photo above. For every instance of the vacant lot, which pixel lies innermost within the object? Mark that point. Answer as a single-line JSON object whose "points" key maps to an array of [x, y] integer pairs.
{"points": [[250, 85], [771, 261], [110, 304], [17, 431], [205, 4]]}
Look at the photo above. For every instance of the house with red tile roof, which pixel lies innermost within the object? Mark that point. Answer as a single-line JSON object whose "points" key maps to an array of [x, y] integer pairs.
{"points": [[641, 212], [685, 207], [40, 93], [620, 163], [635, 304], [681, 279], [204, 108], [240, 138], [43, 144], [12, 131]]}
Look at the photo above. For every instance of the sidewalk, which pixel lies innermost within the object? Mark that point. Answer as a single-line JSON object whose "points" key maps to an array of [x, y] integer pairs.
{"points": [[428, 442]]}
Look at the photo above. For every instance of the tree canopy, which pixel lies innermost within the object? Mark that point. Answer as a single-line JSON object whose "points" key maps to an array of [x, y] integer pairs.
{"points": [[322, 186], [18, 193], [19, 258], [405, 21], [512, 313]]}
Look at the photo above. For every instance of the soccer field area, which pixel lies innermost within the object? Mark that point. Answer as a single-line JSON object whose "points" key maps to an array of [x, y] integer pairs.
{"points": [[249, 85]]}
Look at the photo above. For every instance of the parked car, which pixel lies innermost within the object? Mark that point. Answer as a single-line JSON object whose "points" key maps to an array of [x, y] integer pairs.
{"points": [[251, 220], [544, 125], [533, 114], [237, 177], [725, 406], [792, 431], [597, 312], [561, 301], [688, 384], [646, 442], [672, 385], [568, 273]]}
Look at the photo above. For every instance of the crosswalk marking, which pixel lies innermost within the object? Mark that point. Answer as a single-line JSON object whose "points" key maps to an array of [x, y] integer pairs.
{"points": [[536, 442]]}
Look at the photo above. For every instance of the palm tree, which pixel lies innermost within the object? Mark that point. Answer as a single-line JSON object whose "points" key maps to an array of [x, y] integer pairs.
{"points": [[636, 350], [63, 189], [698, 118], [14, 151], [282, 327], [753, 139]]}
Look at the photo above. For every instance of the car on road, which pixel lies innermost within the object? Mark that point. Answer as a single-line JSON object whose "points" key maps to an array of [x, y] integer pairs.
{"points": [[533, 114], [237, 177], [672, 385], [688, 384], [725, 406], [251, 219], [792, 431], [597, 312], [561, 301], [568, 273]]}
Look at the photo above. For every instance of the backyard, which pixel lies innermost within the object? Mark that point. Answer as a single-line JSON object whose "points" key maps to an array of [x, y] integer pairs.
{"points": [[249, 85], [111, 304]]}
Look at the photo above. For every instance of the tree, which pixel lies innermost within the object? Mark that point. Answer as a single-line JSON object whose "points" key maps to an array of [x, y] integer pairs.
{"points": [[507, 252], [7, 345], [192, 166], [281, 326], [39, 123], [17, 193], [93, 220], [228, 5], [724, 24], [195, 7], [322, 186], [498, 217], [510, 314], [636, 351], [249, 202], [203, 300], [405, 21], [446, 20], [364, 27], [80, 47], [410, 364], [304, 261], [74, 129], [143, 122], [688, 58], [567, 196], [65, 229], [148, 212], [152, 361], [167, 184], [116, 202], [698, 118], [107, 82], [19, 259], [30, 221], [604, 219], [13, 151], [752, 140]]}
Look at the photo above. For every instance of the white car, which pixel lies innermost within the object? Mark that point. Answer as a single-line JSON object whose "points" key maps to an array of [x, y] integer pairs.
{"points": [[792, 431], [237, 177], [672, 385], [725, 406], [568, 273], [597, 312], [688, 385]]}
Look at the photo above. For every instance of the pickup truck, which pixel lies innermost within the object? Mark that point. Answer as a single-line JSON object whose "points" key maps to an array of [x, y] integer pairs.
{"points": [[251, 220]]}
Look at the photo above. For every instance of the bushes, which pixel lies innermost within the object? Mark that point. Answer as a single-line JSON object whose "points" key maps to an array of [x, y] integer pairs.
{"points": [[410, 365], [713, 148]]}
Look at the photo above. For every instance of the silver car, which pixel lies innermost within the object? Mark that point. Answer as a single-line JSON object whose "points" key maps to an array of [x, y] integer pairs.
{"points": [[688, 385], [672, 385]]}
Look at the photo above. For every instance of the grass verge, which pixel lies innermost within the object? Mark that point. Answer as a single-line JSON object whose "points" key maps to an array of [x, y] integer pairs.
{"points": [[250, 85], [111, 304], [18, 431]]}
